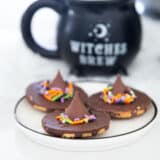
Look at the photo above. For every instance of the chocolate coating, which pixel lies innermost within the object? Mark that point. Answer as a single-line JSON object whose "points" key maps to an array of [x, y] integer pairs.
{"points": [[76, 108], [58, 81], [33, 96], [141, 103], [56, 128], [118, 86]]}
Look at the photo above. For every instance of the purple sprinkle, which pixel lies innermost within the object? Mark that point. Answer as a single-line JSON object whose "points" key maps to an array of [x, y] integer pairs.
{"points": [[122, 98], [66, 90], [118, 101], [76, 119], [62, 100], [93, 117]]}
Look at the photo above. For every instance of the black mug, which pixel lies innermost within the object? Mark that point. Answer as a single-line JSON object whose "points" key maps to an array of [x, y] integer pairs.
{"points": [[92, 35]]}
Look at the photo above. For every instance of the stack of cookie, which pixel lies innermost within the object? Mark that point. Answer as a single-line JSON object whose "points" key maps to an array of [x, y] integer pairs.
{"points": [[70, 113]]}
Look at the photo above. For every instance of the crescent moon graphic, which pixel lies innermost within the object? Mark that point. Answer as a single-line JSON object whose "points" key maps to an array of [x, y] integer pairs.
{"points": [[103, 31]]}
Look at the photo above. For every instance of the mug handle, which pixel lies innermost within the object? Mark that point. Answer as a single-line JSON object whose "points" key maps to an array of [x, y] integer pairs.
{"points": [[57, 6]]}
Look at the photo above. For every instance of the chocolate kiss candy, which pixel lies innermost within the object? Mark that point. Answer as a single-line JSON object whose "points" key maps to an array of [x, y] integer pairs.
{"points": [[118, 86], [76, 109], [58, 82]]}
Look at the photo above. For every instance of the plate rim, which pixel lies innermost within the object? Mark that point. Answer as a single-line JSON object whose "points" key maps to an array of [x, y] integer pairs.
{"points": [[96, 138]]}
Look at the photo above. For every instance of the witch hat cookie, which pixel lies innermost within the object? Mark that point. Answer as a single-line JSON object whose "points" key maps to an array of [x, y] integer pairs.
{"points": [[76, 108], [120, 101], [118, 86], [76, 121], [58, 82], [52, 95]]}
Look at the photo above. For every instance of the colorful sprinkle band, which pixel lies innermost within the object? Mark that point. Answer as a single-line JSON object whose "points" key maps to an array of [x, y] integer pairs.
{"points": [[120, 98], [56, 94], [63, 118]]}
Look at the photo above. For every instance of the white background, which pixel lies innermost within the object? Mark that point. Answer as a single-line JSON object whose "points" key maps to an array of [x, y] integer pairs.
{"points": [[19, 66]]}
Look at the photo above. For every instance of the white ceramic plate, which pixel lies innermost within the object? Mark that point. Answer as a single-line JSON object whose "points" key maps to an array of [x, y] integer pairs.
{"points": [[121, 132]]}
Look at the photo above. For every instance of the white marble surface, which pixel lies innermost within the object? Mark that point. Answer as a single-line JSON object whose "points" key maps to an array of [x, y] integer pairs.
{"points": [[19, 66]]}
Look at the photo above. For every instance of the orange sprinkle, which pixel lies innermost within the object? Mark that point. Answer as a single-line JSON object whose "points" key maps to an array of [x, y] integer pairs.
{"points": [[48, 97], [58, 117], [78, 122], [104, 92], [70, 88], [118, 96], [129, 100], [51, 93]]}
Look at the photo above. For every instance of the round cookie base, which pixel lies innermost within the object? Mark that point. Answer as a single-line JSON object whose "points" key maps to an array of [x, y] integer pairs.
{"points": [[121, 111], [40, 103], [55, 128]]}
